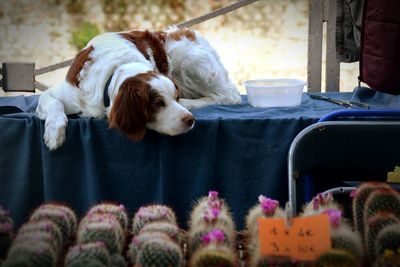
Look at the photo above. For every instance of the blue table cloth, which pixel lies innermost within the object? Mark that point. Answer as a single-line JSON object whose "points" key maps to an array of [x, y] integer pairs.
{"points": [[239, 151]]}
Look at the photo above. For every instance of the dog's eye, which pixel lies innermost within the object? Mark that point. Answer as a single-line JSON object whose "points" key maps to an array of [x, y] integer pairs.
{"points": [[159, 103]]}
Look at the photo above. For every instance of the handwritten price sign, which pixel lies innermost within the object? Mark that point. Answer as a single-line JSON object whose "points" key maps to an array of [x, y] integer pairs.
{"points": [[306, 239]]}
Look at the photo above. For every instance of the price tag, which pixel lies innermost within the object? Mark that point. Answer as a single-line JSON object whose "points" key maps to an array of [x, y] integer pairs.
{"points": [[306, 239]]}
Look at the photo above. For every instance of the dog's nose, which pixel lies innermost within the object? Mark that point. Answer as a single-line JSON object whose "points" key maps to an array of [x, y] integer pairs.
{"points": [[188, 120]]}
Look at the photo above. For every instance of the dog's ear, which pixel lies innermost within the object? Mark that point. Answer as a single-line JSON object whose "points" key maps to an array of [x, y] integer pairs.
{"points": [[129, 112]]}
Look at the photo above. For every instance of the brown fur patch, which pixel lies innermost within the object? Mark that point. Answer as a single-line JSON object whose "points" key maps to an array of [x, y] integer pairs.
{"points": [[179, 34], [77, 65], [177, 91], [146, 39], [132, 107]]}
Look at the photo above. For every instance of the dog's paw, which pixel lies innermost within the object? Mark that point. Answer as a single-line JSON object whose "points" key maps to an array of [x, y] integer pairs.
{"points": [[54, 133]]}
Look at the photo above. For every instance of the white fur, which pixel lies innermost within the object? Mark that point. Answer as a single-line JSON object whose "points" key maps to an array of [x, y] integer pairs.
{"points": [[199, 72], [111, 55]]}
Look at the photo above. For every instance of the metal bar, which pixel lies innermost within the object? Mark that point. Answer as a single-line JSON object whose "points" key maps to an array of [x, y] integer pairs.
{"points": [[215, 13], [53, 67], [40, 86], [332, 62], [314, 45]]}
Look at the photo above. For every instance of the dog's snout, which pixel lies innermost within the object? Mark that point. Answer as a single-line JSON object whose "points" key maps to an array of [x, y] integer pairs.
{"points": [[188, 120]]}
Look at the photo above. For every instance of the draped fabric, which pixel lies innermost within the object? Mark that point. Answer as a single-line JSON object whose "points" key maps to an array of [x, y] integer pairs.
{"points": [[240, 151]]}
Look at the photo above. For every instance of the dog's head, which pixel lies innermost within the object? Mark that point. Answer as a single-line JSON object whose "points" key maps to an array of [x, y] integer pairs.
{"points": [[149, 100]]}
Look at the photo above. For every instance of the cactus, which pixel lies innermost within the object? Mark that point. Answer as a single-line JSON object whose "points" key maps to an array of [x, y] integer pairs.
{"points": [[210, 210], [62, 216], [388, 239], [382, 200], [265, 208], [32, 253], [6, 230], [199, 239], [160, 252], [102, 228], [360, 197], [137, 243], [69, 213], [335, 258], [89, 254], [344, 238], [117, 260], [164, 227], [43, 226], [152, 213], [212, 213], [275, 261], [109, 219], [213, 255], [119, 211], [319, 204], [373, 226], [389, 259], [46, 237]]}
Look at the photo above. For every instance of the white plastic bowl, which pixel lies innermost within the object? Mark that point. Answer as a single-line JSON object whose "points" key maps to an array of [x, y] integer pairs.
{"points": [[274, 92]]}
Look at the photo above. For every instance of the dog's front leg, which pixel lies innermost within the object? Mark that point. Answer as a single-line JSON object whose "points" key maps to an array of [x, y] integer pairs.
{"points": [[51, 110]]}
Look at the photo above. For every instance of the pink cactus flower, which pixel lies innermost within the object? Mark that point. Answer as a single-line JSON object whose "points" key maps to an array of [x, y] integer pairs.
{"points": [[268, 205], [214, 236], [335, 217]]}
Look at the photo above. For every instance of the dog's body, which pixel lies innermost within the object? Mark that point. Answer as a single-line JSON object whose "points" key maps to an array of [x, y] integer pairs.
{"points": [[141, 93], [198, 71]]}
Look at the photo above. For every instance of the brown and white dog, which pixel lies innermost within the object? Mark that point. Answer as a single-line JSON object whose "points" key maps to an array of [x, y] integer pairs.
{"points": [[139, 80]]}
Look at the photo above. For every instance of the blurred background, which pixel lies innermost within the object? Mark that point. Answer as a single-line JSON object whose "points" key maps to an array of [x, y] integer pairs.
{"points": [[267, 39]]}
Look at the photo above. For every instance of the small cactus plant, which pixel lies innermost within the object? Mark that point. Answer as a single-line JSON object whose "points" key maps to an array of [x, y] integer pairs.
{"points": [[213, 255], [61, 215], [388, 259], [119, 211], [319, 204], [169, 229], [344, 238], [359, 198], [137, 243], [275, 261], [104, 228], [388, 239], [382, 200], [152, 213], [89, 254], [266, 208], [32, 237], [160, 252], [6, 231], [335, 258], [211, 236], [373, 227], [47, 226], [32, 253]]}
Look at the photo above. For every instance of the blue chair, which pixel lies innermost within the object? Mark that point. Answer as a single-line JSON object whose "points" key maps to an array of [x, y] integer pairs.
{"points": [[346, 145]]}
